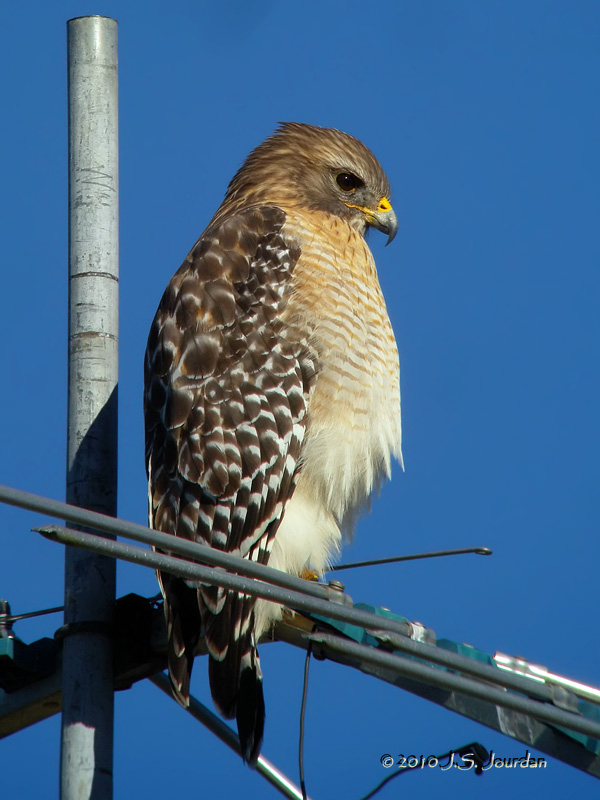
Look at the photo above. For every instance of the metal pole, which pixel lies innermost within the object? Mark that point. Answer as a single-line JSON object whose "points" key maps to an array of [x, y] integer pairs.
{"points": [[88, 699]]}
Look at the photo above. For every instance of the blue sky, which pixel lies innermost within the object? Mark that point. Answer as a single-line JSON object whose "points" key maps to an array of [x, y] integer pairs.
{"points": [[485, 117]]}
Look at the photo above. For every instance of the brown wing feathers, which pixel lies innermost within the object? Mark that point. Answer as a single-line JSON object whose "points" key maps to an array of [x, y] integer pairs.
{"points": [[224, 405]]}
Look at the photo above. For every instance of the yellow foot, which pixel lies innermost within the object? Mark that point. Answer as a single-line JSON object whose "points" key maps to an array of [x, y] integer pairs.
{"points": [[309, 575]]}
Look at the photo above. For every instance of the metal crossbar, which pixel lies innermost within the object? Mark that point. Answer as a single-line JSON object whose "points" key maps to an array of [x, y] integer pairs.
{"points": [[403, 666], [435, 666], [390, 632], [189, 571], [131, 530]]}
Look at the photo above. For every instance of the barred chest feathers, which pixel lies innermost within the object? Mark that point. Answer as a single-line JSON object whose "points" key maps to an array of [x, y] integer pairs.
{"points": [[353, 427]]}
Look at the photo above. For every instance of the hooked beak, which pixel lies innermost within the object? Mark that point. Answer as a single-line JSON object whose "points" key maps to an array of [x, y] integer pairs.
{"points": [[384, 219]]}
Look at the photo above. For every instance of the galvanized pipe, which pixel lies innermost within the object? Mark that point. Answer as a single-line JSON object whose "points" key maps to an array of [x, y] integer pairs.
{"points": [[88, 698]]}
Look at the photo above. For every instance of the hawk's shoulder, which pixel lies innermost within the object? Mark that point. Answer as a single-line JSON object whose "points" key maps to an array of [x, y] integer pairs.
{"points": [[225, 389]]}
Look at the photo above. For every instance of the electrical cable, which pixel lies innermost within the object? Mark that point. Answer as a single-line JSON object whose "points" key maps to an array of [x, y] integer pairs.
{"points": [[302, 714]]}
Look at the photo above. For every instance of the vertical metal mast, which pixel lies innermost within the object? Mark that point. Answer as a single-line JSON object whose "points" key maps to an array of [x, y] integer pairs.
{"points": [[88, 698]]}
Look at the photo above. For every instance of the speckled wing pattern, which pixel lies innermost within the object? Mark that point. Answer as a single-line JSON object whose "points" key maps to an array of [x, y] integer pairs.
{"points": [[225, 409]]}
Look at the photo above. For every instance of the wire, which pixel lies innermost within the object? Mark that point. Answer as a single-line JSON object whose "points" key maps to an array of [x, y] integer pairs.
{"points": [[302, 714], [30, 614], [480, 551], [7, 619]]}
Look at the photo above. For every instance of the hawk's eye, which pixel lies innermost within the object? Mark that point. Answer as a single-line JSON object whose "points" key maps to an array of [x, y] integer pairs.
{"points": [[347, 181]]}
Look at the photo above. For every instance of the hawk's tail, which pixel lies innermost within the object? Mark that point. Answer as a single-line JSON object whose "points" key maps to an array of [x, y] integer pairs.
{"points": [[234, 670], [234, 666], [182, 617]]}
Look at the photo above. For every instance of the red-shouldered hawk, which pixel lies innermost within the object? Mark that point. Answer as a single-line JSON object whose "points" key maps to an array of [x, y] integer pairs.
{"points": [[272, 399]]}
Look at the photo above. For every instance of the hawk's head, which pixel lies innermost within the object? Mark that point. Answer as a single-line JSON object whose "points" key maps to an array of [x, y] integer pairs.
{"points": [[317, 168]]}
